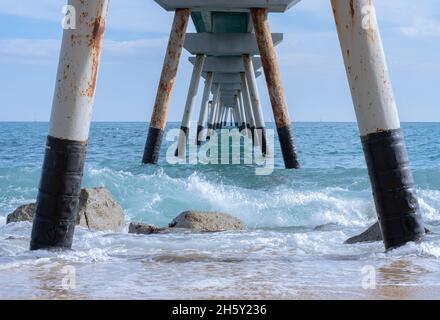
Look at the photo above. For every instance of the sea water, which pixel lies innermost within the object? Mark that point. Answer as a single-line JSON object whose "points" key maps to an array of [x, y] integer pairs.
{"points": [[297, 222]]}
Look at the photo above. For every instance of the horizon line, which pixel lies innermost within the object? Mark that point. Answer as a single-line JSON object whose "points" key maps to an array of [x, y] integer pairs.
{"points": [[178, 121]]}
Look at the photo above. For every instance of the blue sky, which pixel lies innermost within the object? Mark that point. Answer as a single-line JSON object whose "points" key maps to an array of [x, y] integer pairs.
{"points": [[311, 63]]}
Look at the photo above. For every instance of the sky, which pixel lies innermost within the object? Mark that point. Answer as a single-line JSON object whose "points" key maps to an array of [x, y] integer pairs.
{"points": [[135, 41]]}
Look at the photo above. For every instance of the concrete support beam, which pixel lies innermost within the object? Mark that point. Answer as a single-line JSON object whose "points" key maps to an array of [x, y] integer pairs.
{"points": [[222, 5], [275, 88], [225, 44], [247, 102], [204, 106], [166, 86], [256, 102], [229, 77], [214, 106], [189, 105], [230, 86], [226, 64], [241, 110], [373, 98], [60, 184]]}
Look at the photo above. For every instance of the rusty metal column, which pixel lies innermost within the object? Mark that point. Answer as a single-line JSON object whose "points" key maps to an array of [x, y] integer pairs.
{"points": [[204, 106], [66, 147], [378, 120], [189, 105], [276, 92], [166, 85]]}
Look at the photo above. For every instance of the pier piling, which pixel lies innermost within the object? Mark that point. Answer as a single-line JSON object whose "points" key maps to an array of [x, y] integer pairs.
{"points": [[256, 104], [204, 106], [247, 105], [383, 143], [276, 92], [214, 109], [189, 105], [66, 147], [166, 85]]}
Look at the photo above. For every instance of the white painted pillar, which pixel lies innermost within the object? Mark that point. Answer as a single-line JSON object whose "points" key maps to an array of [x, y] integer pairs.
{"points": [[242, 110], [378, 120], [60, 184], [247, 101], [204, 106], [189, 105], [215, 108], [253, 91]]}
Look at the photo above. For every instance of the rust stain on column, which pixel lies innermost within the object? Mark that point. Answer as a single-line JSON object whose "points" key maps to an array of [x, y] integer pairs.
{"points": [[271, 68], [170, 66], [95, 43]]}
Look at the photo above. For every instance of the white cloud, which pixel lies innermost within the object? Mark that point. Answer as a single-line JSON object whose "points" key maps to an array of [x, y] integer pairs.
{"points": [[422, 26], [46, 51], [308, 49], [29, 51], [41, 9]]}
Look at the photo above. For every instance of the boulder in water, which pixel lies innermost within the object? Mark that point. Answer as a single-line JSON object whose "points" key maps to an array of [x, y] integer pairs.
{"points": [[207, 221], [143, 228], [22, 213], [98, 211], [372, 234]]}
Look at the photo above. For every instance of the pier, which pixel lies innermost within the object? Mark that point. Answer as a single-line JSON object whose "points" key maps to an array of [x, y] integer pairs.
{"points": [[232, 44]]}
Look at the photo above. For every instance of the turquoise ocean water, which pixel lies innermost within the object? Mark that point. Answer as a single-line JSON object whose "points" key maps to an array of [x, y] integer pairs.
{"points": [[297, 220]]}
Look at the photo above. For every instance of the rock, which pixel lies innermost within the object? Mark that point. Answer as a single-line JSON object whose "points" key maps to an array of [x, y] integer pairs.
{"points": [[372, 234], [142, 228], [207, 221], [97, 210], [327, 227], [22, 213]]}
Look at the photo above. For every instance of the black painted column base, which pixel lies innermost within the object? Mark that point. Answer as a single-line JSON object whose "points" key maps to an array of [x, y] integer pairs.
{"points": [[199, 139], [210, 129], [288, 147], [393, 187], [152, 146], [185, 131], [58, 194], [262, 137], [252, 130]]}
